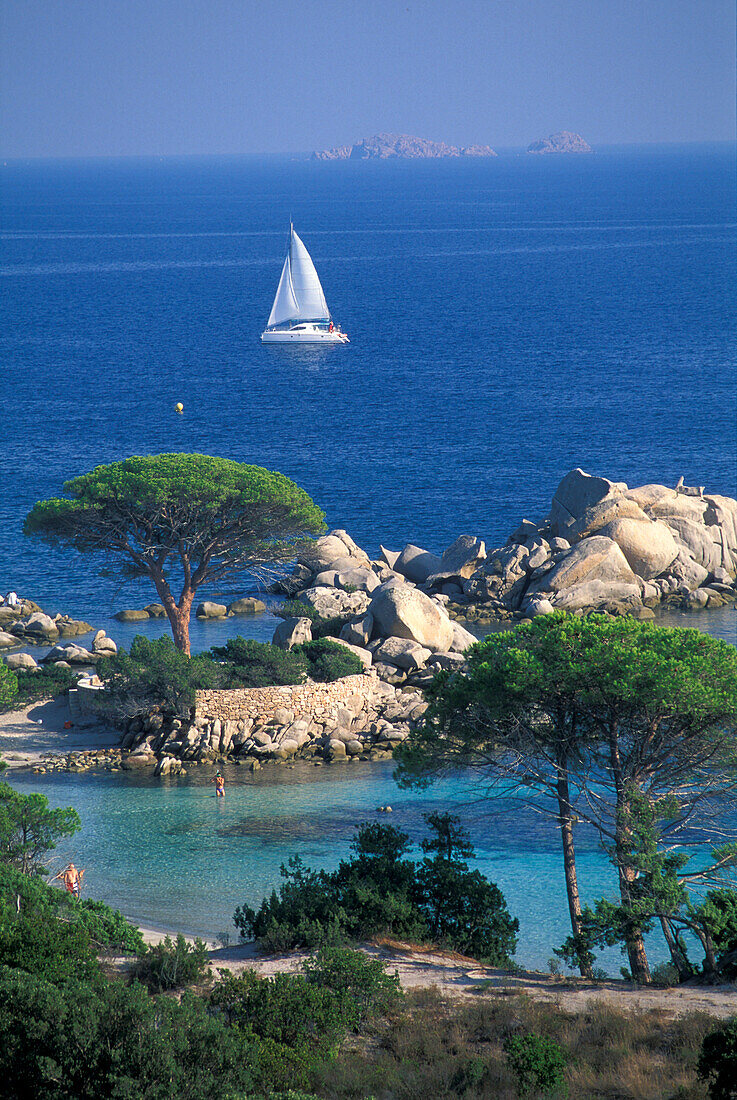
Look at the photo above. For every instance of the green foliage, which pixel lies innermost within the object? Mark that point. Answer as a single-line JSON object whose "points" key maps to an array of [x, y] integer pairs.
{"points": [[538, 1064], [157, 675], [171, 494], [208, 517], [292, 1021], [50, 949], [76, 1041], [718, 1061], [29, 896], [380, 892], [29, 828], [328, 660], [609, 718], [257, 664], [8, 687], [171, 964], [44, 684]]}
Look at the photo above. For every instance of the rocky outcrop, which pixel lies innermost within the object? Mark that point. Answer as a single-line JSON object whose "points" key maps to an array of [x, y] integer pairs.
{"points": [[563, 142], [391, 146]]}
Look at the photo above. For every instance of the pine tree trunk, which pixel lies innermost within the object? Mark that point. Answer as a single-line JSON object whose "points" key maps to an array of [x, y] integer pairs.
{"points": [[565, 818], [639, 966], [177, 613]]}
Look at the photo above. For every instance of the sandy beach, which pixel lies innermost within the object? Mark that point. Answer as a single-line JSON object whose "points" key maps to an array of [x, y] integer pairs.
{"points": [[26, 735]]}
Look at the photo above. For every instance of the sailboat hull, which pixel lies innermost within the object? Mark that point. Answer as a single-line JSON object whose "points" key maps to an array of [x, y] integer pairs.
{"points": [[304, 335]]}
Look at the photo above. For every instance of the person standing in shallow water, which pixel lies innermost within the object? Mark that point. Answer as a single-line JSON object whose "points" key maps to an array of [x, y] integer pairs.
{"points": [[219, 782], [72, 879]]}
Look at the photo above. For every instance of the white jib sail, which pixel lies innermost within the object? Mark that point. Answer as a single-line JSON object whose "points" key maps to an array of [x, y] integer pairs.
{"points": [[299, 296], [285, 305]]}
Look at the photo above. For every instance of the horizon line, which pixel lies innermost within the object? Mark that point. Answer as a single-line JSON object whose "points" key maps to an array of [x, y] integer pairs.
{"points": [[502, 150]]}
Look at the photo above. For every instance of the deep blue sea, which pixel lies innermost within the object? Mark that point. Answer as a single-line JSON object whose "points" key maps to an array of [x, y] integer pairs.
{"points": [[509, 319]]}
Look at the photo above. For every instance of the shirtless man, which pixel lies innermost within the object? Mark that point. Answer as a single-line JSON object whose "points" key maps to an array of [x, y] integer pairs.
{"points": [[72, 879]]}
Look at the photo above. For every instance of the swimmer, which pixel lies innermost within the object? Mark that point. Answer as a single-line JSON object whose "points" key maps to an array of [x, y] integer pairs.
{"points": [[219, 782]]}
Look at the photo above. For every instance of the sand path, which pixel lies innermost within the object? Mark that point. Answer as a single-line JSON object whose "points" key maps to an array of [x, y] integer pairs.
{"points": [[460, 978]]}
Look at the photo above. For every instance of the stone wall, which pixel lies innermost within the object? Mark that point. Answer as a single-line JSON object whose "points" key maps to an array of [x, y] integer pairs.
{"points": [[304, 701]]}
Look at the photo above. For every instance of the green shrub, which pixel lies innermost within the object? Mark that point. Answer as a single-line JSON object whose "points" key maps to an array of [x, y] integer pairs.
{"points": [[717, 1063], [157, 675], [538, 1064], [257, 664], [112, 1040], [363, 985], [719, 914], [105, 926], [46, 684], [328, 660], [30, 896], [30, 828], [377, 891], [50, 949], [171, 964], [8, 687]]}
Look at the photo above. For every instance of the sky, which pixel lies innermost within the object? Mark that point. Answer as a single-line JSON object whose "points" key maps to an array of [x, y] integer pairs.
{"points": [[178, 77]]}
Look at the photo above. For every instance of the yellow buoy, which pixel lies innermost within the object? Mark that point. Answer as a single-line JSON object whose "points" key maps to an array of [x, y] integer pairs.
{"points": [[179, 407]]}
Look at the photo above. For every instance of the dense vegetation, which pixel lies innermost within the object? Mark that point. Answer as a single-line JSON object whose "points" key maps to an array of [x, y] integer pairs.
{"points": [[74, 1028], [156, 675], [207, 517], [379, 892], [628, 727]]}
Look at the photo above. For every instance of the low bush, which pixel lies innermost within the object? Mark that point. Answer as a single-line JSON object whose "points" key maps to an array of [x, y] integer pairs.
{"points": [[157, 675], [31, 897], [44, 684], [380, 892], [8, 687], [171, 964], [328, 660], [257, 664], [717, 1063], [538, 1064]]}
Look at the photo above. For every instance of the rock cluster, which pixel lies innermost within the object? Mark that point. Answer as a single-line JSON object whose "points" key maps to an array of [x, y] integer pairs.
{"points": [[390, 146], [206, 610], [603, 546], [362, 719], [23, 623], [391, 619], [562, 142]]}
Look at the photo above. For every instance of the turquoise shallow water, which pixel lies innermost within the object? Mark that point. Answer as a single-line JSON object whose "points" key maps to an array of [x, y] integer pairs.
{"points": [[171, 855]]}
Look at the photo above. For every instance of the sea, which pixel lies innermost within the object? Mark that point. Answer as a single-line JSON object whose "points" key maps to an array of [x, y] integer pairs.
{"points": [[509, 318]]}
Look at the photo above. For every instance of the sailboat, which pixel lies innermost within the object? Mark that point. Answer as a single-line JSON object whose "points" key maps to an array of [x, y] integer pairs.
{"points": [[300, 313]]}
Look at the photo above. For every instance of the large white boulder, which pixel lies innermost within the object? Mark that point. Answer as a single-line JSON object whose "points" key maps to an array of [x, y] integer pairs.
{"points": [[463, 557], [594, 558], [647, 495], [38, 625], [594, 593], [648, 546], [462, 639], [332, 602], [7, 640], [20, 660], [417, 564], [676, 504], [403, 612], [577, 492], [696, 538], [607, 510], [687, 571], [402, 652]]}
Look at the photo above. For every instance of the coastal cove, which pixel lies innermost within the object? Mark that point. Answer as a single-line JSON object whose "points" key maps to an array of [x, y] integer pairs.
{"points": [[171, 855]]}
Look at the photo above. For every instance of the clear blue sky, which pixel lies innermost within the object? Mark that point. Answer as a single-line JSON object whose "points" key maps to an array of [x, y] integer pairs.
{"points": [[122, 77]]}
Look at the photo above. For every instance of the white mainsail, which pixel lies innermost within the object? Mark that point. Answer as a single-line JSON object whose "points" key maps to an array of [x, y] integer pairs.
{"points": [[299, 296]]}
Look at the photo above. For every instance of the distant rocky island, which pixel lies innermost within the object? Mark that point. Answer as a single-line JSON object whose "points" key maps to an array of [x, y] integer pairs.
{"points": [[563, 142], [405, 146]]}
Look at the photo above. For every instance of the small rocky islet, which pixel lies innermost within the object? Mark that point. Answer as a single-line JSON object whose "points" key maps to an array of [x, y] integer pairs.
{"points": [[603, 547]]}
